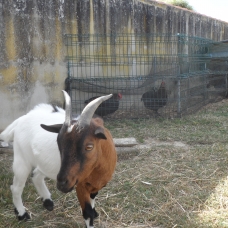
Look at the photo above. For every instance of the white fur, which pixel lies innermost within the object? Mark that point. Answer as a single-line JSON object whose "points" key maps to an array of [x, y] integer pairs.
{"points": [[92, 202], [34, 148], [87, 221]]}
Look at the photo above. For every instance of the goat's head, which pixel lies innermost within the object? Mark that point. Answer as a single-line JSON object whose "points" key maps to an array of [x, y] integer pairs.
{"points": [[78, 142]]}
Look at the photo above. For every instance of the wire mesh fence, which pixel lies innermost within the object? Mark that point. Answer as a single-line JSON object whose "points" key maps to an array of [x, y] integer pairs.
{"points": [[150, 75]]}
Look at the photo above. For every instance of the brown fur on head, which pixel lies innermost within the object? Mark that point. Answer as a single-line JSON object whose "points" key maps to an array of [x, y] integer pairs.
{"points": [[79, 153], [88, 155], [82, 151]]}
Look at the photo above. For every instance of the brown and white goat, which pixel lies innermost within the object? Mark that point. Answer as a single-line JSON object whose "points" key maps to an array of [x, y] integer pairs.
{"points": [[86, 160], [88, 155]]}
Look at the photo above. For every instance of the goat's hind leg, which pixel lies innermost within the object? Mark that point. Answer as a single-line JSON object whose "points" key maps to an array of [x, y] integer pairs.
{"points": [[38, 180], [21, 172]]}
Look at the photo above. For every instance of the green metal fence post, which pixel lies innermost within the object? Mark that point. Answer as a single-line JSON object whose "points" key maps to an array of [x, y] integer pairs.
{"points": [[205, 84], [226, 79], [179, 95]]}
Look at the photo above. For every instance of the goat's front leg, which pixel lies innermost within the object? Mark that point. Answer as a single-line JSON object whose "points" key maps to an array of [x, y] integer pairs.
{"points": [[38, 180], [87, 205], [92, 201]]}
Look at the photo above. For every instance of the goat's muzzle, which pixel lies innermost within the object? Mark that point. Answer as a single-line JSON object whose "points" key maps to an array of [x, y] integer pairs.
{"points": [[64, 186]]}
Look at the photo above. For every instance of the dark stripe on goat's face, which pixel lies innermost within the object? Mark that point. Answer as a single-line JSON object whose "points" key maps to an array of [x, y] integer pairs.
{"points": [[73, 157]]}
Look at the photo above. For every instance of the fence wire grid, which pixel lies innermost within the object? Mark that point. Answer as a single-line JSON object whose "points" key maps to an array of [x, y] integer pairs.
{"points": [[150, 75]]}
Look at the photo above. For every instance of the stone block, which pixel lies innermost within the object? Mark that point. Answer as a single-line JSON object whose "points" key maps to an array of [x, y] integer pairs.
{"points": [[125, 142]]}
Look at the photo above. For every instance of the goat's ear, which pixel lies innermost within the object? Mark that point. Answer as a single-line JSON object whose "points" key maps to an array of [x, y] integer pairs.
{"points": [[52, 128], [99, 133]]}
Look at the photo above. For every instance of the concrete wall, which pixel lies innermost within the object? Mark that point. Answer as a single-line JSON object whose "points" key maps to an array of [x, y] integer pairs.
{"points": [[32, 51]]}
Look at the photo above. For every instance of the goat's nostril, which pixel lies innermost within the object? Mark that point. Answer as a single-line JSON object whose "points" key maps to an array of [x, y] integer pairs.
{"points": [[62, 182]]}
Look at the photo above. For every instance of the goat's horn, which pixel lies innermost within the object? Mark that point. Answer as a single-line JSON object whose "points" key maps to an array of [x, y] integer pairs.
{"points": [[67, 108], [89, 110]]}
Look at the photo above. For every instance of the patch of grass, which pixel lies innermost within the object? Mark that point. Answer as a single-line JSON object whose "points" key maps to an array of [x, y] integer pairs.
{"points": [[164, 186], [180, 3], [206, 127]]}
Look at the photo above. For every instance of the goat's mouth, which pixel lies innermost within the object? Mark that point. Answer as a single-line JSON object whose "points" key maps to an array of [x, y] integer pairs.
{"points": [[65, 188], [75, 185]]}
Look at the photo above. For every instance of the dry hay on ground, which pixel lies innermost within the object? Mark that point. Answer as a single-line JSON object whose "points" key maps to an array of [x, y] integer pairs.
{"points": [[179, 179]]}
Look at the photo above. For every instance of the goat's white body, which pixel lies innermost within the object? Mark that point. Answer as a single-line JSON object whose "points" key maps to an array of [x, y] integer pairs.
{"points": [[34, 148]]}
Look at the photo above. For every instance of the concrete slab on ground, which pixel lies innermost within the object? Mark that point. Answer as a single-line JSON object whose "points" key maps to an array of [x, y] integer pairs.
{"points": [[125, 142], [124, 153]]}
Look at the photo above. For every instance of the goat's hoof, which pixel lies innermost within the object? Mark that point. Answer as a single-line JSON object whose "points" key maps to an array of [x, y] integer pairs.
{"points": [[48, 204], [25, 216], [95, 214]]}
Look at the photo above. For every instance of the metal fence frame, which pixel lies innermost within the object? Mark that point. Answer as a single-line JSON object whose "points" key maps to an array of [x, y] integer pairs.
{"points": [[178, 58]]}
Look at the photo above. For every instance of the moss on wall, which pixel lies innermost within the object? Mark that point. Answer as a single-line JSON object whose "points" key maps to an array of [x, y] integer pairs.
{"points": [[32, 56]]}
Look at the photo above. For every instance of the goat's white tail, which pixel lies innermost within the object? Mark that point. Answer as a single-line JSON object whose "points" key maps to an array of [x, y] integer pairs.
{"points": [[8, 134]]}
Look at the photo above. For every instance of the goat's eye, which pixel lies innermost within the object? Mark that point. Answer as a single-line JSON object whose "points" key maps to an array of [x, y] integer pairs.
{"points": [[89, 147]]}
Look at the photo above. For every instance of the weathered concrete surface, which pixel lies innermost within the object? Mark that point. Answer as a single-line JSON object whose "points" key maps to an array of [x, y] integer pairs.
{"points": [[125, 142], [124, 153], [126, 148], [6, 150], [32, 51], [4, 144]]}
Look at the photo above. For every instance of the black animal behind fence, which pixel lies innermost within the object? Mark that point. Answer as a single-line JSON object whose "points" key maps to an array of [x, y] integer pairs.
{"points": [[150, 75]]}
